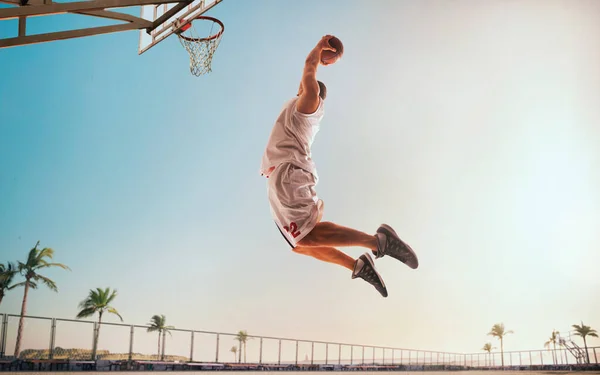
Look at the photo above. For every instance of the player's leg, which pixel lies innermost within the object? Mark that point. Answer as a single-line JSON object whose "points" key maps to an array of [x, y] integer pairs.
{"points": [[327, 254], [326, 233], [385, 241], [363, 267]]}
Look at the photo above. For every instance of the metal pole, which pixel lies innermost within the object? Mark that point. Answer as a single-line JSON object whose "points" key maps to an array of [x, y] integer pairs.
{"points": [[279, 355], [217, 354], [530, 360], [400, 356], [352, 354], [383, 356], [392, 356], [326, 352], [93, 354], [2, 330], [363, 356], [409, 357], [52, 335], [312, 352], [373, 354], [192, 347], [296, 351], [595, 356], [438, 358], [260, 354], [130, 356], [520, 360], [541, 358], [339, 354]]}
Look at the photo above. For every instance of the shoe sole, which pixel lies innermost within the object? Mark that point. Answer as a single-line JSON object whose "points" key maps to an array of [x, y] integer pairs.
{"points": [[412, 261]]}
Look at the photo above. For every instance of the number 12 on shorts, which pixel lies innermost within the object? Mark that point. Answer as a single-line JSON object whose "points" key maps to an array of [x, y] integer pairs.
{"points": [[292, 229]]}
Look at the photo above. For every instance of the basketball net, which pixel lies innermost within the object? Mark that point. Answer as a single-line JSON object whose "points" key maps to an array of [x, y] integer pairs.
{"points": [[201, 50]]}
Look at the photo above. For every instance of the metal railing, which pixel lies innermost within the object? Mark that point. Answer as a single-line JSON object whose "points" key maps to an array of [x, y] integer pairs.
{"points": [[56, 338]]}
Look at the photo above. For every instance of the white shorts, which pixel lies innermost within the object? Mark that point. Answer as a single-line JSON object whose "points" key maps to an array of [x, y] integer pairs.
{"points": [[294, 203]]}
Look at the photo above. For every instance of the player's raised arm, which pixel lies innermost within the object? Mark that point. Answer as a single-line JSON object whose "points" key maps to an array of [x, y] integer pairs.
{"points": [[309, 87]]}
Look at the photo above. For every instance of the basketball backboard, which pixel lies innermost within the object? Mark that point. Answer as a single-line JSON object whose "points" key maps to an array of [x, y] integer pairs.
{"points": [[168, 14]]}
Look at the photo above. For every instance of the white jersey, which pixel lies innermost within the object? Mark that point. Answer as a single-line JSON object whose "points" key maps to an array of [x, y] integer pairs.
{"points": [[291, 139]]}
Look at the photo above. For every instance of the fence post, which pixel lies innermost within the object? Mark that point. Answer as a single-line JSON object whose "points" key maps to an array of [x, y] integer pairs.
{"points": [[351, 354], [373, 355], [326, 352], [130, 354], [217, 354], [2, 330], [260, 353], [363, 356], [296, 352], [52, 335], [339, 354], [312, 352], [93, 355], [192, 348], [279, 355]]}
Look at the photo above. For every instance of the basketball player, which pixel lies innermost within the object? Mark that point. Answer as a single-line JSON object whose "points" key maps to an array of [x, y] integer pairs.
{"points": [[292, 177]]}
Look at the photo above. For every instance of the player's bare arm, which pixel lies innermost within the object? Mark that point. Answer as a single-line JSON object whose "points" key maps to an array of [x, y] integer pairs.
{"points": [[308, 101]]}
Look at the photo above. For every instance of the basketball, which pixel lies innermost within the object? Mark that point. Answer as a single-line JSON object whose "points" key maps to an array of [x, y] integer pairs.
{"points": [[329, 57]]}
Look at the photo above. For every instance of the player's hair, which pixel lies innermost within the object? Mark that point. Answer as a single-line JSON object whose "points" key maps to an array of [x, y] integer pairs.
{"points": [[322, 90]]}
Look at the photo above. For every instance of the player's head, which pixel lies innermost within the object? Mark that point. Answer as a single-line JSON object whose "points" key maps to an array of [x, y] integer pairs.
{"points": [[322, 90]]}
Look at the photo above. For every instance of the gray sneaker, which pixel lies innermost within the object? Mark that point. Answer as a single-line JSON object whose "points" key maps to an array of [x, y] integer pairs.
{"points": [[388, 243], [365, 269]]}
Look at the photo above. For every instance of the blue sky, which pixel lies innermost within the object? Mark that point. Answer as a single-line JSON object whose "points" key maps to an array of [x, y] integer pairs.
{"points": [[471, 128]]}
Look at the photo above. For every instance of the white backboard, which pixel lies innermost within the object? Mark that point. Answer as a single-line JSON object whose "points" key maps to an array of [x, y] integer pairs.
{"points": [[154, 12]]}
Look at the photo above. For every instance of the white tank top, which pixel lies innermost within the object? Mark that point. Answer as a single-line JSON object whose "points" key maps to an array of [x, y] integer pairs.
{"points": [[291, 139]]}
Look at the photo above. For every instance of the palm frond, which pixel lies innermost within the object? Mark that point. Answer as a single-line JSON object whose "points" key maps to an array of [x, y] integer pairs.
{"points": [[86, 313], [112, 310], [49, 283]]}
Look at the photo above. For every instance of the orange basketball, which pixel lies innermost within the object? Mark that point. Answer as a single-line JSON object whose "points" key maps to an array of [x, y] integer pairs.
{"points": [[329, 57]]}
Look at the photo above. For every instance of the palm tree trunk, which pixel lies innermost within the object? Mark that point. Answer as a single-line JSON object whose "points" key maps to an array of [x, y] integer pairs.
{"points": [[97, 336], [240, 354], [22, 319], [158, 352], [245, 352], [554, 353], [1, 296], [163, 346], [586, 349], [502, 351]]}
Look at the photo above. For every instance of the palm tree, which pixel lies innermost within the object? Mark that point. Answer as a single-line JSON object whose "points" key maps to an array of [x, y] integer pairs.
{"points": [[487, 347], [98, 301], [158, 324], [584, 331], [234, 351], [553, 340], [499, 332], [7, 274], [36, 260], [242, 337]]}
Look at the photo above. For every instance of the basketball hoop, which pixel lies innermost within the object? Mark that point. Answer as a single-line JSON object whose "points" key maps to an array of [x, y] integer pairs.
{"points": [[201, 50]]}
